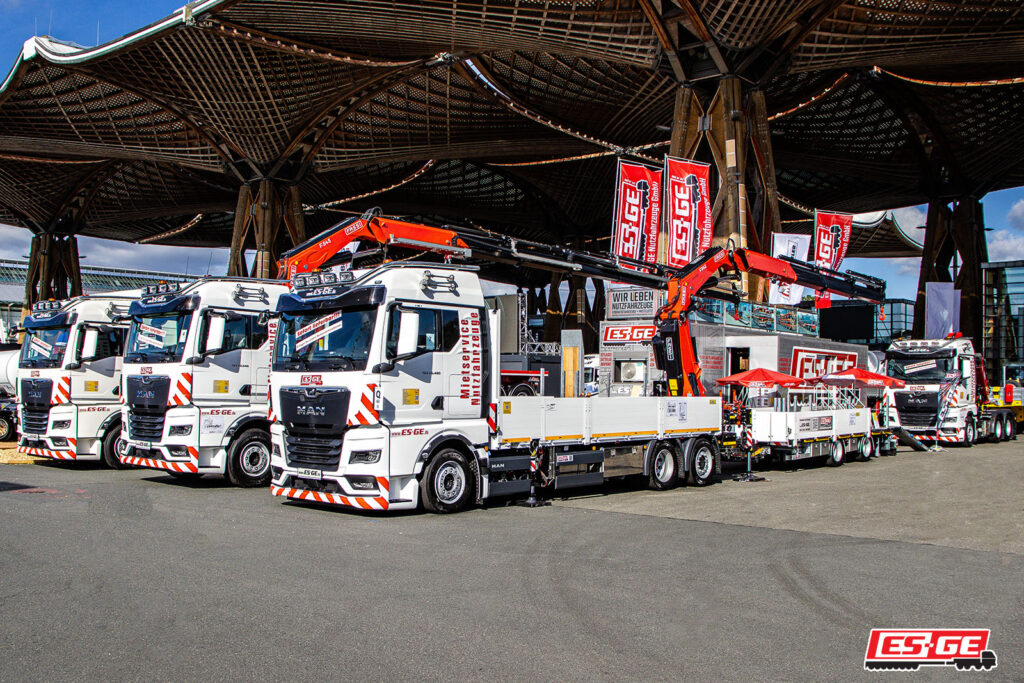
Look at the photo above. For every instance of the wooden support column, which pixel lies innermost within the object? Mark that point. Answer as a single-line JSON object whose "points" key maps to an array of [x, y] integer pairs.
{"points": [[761, 148], [266, 223], [935, 258], [54, 271], [685, 124], [294, 219], [553, 313], [243, 217], [968, 233]]}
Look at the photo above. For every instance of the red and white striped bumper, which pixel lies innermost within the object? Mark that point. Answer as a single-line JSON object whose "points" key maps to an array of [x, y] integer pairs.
{"points": [[361, 502], [945, 438], [52, 454], [171, 466]]}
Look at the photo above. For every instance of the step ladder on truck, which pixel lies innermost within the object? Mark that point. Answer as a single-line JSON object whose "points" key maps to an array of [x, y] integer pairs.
{"points": [[68, 378], [195, 379], [385, 384]]}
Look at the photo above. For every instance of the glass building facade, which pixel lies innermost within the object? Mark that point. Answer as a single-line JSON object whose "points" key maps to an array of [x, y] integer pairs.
{"points": [[1003, 320]]}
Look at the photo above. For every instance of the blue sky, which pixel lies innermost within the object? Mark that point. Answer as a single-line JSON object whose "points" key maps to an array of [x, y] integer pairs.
{"points": [[80, 21]]}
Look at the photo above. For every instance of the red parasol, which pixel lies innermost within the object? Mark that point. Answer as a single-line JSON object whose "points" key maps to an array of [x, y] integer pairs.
{"points": [[760, 378], [858, 378]]}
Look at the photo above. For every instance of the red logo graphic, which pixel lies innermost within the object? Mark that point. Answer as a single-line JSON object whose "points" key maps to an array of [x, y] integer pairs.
{"points": [[628, 334], [34, 373], [817, 362], [146, 370], [910, 649], [311, 380]]}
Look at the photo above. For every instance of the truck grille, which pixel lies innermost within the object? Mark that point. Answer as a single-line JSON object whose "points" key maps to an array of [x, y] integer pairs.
{"points": [[918, 419], [309, 450], [145, 426], [34, 421]]}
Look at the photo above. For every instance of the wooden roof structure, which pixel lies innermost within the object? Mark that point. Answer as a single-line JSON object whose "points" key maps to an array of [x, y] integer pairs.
{"points": [[501, 113]]}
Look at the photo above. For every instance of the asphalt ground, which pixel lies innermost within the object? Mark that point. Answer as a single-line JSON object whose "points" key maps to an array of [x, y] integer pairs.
{"points": [[133, 575]]}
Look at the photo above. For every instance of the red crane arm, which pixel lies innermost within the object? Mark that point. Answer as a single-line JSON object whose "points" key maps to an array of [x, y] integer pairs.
{"points": [[313, 253]]}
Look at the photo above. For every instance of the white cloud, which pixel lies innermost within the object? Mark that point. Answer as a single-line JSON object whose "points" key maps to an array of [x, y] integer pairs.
{"points": [[14, 242], [909, 265], [1016, 215], [1006, 245]]}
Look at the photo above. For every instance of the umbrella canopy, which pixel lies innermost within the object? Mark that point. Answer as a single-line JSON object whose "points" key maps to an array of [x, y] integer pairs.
{"points": [[858, 378], [761, 378]]}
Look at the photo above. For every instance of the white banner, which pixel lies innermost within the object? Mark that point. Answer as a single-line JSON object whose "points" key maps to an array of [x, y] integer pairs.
{"points": [[793, 246]]}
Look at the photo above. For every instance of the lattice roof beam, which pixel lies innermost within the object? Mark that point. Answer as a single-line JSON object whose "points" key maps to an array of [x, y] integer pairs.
{"points": [[785, 45], [696, 25], [668, 43], [67, 218]]}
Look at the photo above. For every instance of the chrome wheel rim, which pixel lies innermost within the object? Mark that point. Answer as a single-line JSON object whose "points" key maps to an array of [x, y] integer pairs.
{"points": [[449, 482], [702, 462], [255, 459], [663, 465]]}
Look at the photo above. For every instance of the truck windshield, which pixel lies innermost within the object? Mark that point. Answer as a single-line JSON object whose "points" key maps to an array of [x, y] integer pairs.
{"points": [[922, 371], [337, 340], [44, 347], [157, 338]]}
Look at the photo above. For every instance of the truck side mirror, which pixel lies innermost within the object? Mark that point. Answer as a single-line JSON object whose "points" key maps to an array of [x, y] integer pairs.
{"points": [[214, 335], [408, 334], [90, 341]]}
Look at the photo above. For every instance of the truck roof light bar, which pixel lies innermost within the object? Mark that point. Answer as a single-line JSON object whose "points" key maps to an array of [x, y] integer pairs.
{"points": [[161, 288], [46, 305]]}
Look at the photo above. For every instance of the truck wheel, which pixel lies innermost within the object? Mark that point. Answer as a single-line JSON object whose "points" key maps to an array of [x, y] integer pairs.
{"points": [[837, 454], [113, 446], [6, 428], [866, 450], [664, 468], [970, 433], [249, 459], [448, 483], [702, 462], [523, 389], [998, 429], [1011, 429]]}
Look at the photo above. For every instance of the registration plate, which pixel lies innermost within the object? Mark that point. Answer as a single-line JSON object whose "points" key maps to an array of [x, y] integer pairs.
{"points": [[144, 445], [310, 473], [30, 437]]}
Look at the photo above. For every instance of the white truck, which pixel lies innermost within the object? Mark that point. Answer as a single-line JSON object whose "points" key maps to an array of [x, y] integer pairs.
{"points": [[69, 374], [385, 391], [947, 398], [195, 379]]}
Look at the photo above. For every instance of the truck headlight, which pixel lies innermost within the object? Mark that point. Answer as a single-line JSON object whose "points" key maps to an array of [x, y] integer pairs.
{"points": [[61, 424], [179, 430], [364, 457]]}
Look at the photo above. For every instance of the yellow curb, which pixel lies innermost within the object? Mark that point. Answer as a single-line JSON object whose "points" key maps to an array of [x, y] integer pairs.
{"points": [[10, 456]]}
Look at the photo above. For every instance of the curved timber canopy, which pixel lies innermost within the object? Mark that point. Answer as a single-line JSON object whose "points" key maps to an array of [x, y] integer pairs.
{"points": [[507, 114]]}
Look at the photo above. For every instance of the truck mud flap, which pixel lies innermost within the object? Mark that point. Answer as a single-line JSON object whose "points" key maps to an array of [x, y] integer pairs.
{"points": [[572, 468], [509, 476], [908, 439]]}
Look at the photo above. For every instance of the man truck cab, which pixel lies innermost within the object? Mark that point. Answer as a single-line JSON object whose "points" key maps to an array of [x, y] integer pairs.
{"points": [[69, 373], [195, 379]]}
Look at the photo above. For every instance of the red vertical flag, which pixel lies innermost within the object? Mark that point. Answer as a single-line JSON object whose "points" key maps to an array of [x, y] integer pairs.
{"points": [[637, 212], [831, 240], [687, 211]]}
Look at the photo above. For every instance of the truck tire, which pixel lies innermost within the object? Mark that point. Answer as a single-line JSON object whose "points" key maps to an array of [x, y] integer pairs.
{"points": [[970, 433], [702, 462], [837, 454], [1011, 429], [113, 446], [866, 450], [249, 459], [523, 389], [448, 483], [998, 429], [664, 466], [6, 428]]}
